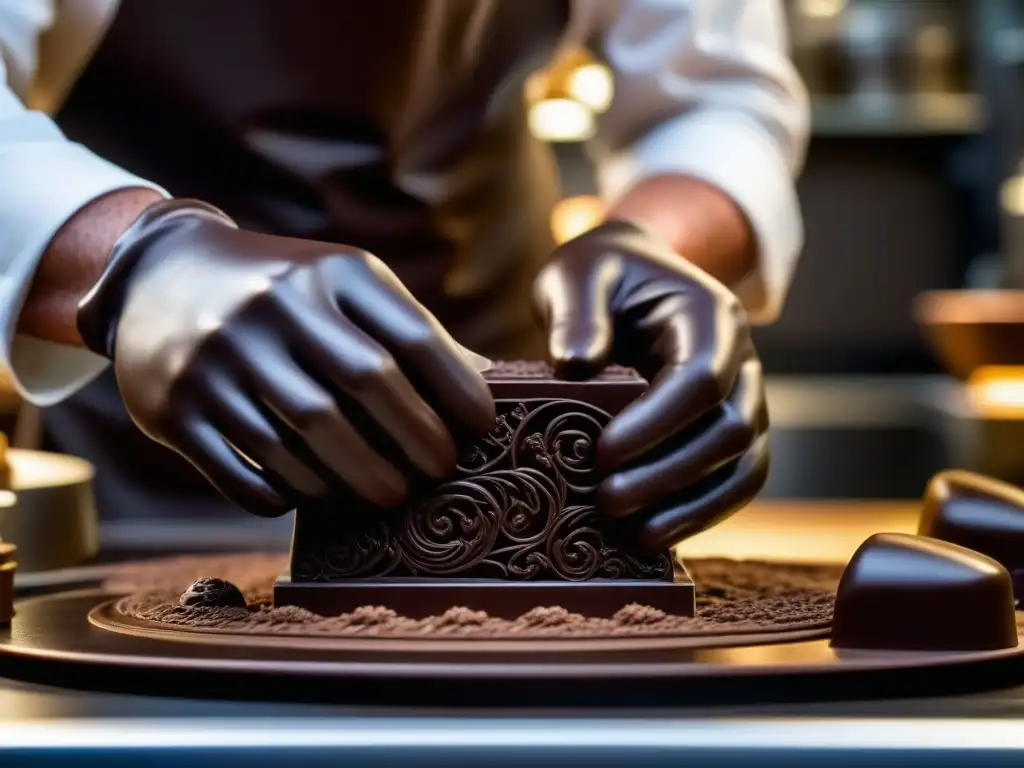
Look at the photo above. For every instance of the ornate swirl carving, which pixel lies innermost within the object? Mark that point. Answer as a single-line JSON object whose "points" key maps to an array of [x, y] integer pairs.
{"points": [[492, 450], [562, 441], [622, 565], [574, 546], [349, 553], [453, 531], [521, 509]]}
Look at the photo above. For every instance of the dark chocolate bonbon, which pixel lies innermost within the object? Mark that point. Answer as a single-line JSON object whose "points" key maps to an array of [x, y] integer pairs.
{"points": [[914, 593], [977, 512]]}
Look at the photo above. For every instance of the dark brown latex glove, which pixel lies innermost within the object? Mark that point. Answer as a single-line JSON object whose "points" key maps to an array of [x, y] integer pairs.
{"points": [[694, 449], [282, 369]]}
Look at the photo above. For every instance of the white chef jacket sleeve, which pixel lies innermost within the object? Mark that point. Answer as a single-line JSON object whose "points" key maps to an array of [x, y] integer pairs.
{"points": [[706, 88], [44, 180]]}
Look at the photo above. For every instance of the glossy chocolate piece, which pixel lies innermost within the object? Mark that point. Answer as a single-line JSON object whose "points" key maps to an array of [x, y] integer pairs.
{"points": [[8, 566], [522, 510], [977, 512], [913, 593]]}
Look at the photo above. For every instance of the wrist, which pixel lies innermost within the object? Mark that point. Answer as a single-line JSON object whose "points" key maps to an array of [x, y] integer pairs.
{"points": [[700, 222], [99, 309], [74, 259]]}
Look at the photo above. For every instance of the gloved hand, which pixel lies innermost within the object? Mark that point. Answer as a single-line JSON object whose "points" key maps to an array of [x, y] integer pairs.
{"points": [[280, 368], [694, 448]]}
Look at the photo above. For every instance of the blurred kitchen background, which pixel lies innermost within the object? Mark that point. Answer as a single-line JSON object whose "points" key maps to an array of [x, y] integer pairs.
{"points": [[914, 183], [910, 186]]}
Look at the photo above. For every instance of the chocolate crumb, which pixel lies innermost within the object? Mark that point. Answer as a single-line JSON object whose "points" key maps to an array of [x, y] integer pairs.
{"points": [[286, 614], [370, 615], [638, 614], [212, 593], [555, 616], [461, 617]]}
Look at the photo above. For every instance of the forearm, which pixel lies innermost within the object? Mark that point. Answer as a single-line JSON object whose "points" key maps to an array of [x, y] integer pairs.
{"points": [[702, 223], [73, 262]]}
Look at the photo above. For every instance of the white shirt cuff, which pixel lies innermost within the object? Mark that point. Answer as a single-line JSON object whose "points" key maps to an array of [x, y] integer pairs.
{"points": [[735, 153], [55, 180]]}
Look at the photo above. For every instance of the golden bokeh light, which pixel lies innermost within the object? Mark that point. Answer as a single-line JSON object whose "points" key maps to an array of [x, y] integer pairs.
{"points": [[1011, 195], [573, 216], [591, 84], [565, 98], [821, 9], [561, 120], [997, 391]]}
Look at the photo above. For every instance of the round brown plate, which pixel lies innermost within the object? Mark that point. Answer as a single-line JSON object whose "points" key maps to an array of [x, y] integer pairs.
{"points": [[106, 616], [53, 640]]}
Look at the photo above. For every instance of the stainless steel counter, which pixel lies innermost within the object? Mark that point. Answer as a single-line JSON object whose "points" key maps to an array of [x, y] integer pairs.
{"points": [[38, 724]]}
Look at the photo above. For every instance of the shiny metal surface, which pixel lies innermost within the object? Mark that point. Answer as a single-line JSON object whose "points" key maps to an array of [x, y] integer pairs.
{"points": [[53, 521], [168, 732], [455, 734]]}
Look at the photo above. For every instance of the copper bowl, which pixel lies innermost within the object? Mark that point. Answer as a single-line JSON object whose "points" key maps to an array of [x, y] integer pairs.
{"points": [[971, 329]]}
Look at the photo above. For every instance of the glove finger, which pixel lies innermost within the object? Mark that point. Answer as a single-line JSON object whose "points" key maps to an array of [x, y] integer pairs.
{"points": [[254, 435], [709, 501], [317, 424], [359, 371], [698, 452], [233, 476], [702, 349], [577, 316], [376, 300]]}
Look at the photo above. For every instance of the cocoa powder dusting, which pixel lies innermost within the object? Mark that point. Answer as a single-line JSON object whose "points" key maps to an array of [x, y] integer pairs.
{"points": [[733, 597]]}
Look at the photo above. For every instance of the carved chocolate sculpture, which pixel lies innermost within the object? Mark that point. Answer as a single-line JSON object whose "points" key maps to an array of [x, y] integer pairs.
{"points": [[521, 511]]}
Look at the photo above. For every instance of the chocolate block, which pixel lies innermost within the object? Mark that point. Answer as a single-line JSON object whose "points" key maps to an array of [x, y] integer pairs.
{"points": [[520, 513]]}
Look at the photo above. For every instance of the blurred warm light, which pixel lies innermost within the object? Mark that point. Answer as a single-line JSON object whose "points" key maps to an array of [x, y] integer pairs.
{"points": [[536, 87], [575, 215], [561, 120], [997, 391], [1012, 195], [821, 9], [565, 98], [797, 530], [935, 40], [591, 84]]}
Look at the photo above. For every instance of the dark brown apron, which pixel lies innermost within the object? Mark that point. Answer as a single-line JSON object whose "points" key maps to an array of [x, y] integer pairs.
{"points": [[395, 125]]}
